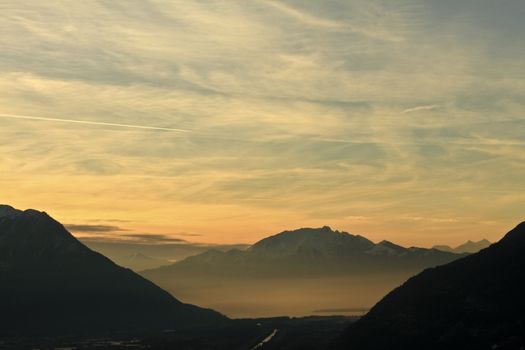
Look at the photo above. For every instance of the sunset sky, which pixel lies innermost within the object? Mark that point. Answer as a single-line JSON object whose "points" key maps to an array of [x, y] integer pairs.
{"points": [[226, 121]]}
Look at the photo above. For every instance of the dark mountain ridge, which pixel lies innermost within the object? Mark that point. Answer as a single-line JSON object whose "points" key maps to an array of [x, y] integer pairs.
{"points": [[307, 252], [52, 283], [472, 303]]}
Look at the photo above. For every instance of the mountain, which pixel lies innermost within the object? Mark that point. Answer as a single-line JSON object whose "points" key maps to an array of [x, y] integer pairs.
{"points": [[467, 247], [123, 251], [314, 262], [139, 261], [472, 303], [52, 283], [307, 252]]}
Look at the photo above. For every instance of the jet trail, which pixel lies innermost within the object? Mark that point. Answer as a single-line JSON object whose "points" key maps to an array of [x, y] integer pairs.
{"points": [[145, 127]]}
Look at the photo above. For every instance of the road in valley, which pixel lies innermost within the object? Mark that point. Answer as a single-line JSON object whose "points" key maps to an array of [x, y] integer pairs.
{"points": [[265, 340]]}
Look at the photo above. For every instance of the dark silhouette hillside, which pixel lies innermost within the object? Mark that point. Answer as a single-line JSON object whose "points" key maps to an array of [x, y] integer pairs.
{"points": [[52, 283], [476, 302]]}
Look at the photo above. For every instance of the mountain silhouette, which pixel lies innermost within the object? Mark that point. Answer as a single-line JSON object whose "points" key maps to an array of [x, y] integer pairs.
{"points": [[51, 283], [476, 302], [307, 252], [467, 247]]}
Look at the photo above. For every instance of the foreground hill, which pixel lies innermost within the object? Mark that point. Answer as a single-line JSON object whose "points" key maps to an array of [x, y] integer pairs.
{"points": [[267, 278], [473, 303], [52, 283]]}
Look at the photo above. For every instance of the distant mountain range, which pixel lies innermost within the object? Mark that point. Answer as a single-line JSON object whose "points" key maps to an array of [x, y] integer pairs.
{"points": [[51, 283], [306, 252], [476, 302], [467, 247], [266, 278], [139, 261], [144, 255]]}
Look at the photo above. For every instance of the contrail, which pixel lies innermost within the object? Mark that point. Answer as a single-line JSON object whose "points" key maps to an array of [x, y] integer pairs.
{"points": [[421, 108], [30, 117]]}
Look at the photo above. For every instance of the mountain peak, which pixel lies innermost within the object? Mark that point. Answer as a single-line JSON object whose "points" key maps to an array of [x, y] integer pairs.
{"points": [[515, 235], [321, 239], [7, 210], [52, 283], [388, 243], [469, 246], [41, 235], [387, 247]]}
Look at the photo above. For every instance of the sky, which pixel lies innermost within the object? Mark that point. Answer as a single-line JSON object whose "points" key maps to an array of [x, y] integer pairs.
{"points": [[227, 121]]}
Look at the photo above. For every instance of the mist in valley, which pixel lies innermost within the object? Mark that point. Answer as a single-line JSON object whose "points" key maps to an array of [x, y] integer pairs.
{"points": [[239, 298]]}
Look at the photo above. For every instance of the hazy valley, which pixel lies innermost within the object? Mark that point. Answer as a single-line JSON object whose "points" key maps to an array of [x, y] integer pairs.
{"points": [[301, 272], [56, 293], [262, 175]]}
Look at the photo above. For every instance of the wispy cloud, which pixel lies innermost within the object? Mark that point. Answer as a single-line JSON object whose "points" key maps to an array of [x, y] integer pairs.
{"points": [[152, 238], [86, 228], [303, 16], [188, 234], [284, 113]]}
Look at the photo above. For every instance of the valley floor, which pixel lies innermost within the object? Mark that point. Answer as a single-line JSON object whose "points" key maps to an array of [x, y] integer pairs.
{"points": [[306, 333]]}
